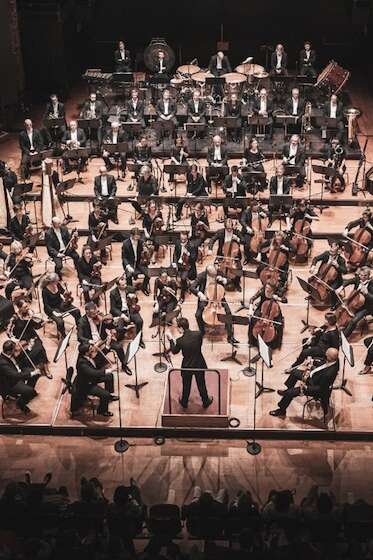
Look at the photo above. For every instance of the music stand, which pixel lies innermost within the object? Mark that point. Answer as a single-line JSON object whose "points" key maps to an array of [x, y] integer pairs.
{"points": [[122, 77], [259, 121], [197, 129], [113, 149], [132, 127], [348, 355], [325, 171], [313, 294], [281, 204], [62, 347], [21, 189], [246, 274], [78, 153], [54, 122], [176, 169], [286, 120], [160, 366], [61, 188], [131, 354], [234, 320], [161, 126], [265, 353], [106, 286]]}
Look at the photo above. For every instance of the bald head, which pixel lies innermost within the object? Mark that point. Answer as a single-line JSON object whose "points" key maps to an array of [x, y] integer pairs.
{"points": [[331, 355]]}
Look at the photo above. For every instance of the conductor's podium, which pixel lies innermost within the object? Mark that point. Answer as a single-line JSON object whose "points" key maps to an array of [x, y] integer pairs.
{"points": [[195, 416]]}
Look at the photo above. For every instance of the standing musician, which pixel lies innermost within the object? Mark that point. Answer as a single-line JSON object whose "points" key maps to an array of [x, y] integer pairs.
{"points": [[219, 64], [147, 186], [199, 288], [362, 283], [135, 109], [263, 106], [225, 237], [279, 61], [23, 327], [233, 108], [253, 159], [88, 379], [275, 253], [85, 267], [166, 113], [307, 61], [16, 381], [115, 136], [190, 344], [122, 58], [254, 213], [30, 142], [20, 223], [58, 302], [217, 158], [18, 265], [60, 243], [333, 257], [132, 249], [161, 64], [323, 337], [93, 328], [333, 109], [105, 190], [315, 380], [97, 225], [335, 156], [179, 155], [73, 138], [295, 107], [267, 304], [184, 259], [196, 109], [123, 304], [293, 154], [363, 235], [153, 224], [93, 109]]}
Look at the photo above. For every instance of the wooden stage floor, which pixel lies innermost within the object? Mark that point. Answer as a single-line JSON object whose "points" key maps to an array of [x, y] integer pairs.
{"points": [[350, 413]]}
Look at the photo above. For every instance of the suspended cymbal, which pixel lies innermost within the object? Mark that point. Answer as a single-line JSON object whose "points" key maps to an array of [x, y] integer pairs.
{"points": [[201, 76], [188, 69]]}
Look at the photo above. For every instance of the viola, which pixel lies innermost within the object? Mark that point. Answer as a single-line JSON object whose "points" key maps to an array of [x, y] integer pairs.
{"points": [[264, 326]]}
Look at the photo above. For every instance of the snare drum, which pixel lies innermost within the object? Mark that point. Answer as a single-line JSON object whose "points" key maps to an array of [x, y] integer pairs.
{"points": [[333, 77]]}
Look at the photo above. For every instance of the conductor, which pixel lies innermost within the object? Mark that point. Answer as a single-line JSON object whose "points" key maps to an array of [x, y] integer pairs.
{"points": [[190, 345]]}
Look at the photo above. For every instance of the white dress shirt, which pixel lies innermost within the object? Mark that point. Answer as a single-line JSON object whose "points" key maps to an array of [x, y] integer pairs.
{"points": [[280, 185], [295, 106], [59, 237], [279, 60], [134, 247], [104, 189], [74, 136], [217, 153], [94, 331], [55, 110], [115, 137], [123, 297], [333, 110], [293, 151], [92, 108], [30, 135], [196, 106], [166, 104], [263, 104]]}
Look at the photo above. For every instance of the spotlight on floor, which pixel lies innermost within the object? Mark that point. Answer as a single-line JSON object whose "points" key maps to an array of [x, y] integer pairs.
{"points": [[121, 446], [159, 440], [253, 447]]}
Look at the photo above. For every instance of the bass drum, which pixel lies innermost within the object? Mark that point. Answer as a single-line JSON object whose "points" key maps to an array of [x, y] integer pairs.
{"points": [[333, 77], [151, 54]]}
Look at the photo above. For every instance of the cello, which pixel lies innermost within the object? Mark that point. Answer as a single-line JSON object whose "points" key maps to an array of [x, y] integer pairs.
{"points": [[349, 308], [324, 277], [259, 232], [230, 262], [215, 294], [276, 261], [266, 325], [299, 242], [360, 241]]}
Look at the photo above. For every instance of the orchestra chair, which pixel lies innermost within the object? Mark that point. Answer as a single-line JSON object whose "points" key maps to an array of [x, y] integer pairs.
{"points": [[206, 528], [164, 521], [5, 400], [324, 402], [50, 261]]}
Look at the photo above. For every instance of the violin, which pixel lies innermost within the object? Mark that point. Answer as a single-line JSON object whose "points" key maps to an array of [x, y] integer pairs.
{"points": [[230, 262], [265, 326], [215, 294], [349, 308], [133, 303], [324, 277], [360, 240], [67, 296], [276, 261], [147, 253]]}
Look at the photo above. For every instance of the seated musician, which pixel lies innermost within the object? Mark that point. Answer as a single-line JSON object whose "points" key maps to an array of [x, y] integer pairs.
{"points": [[199, 224], [115, 136], [323, 337], [196, 110], [153, 224], [18, 265], [224, 237], [196, 186], [30, 142], [19, 223], [23, 327], [97, 224], [333, 257], [263, 106], [219, 64], [252, 161], [122, 58], [165, 304], [233, 108], [234, 186], [368, 362], [55, 110], [89, 377], [57, 302], [335, 156], [365, 223], [60, 243], [267, 294], [105, 189], [184, 259], [315, 380], [95, 329], [279, 61], [147, 186], [295, 107], [9, 178], [121, 306], [362, 282], [293, 154], [279, 243], [217, 158], [307, 61], [279, 184], [164, 281], [93, 108], [142, 153], [16, 381], [73, 138], [179, 155], [252, 213], [135, 110], [302, 211], [85, 267], [132, 249], [199, 288], [333, 109], [166, 113]]}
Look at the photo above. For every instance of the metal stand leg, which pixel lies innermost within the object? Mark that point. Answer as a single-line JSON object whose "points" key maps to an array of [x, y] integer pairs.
{"points": [[261, 387]]}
